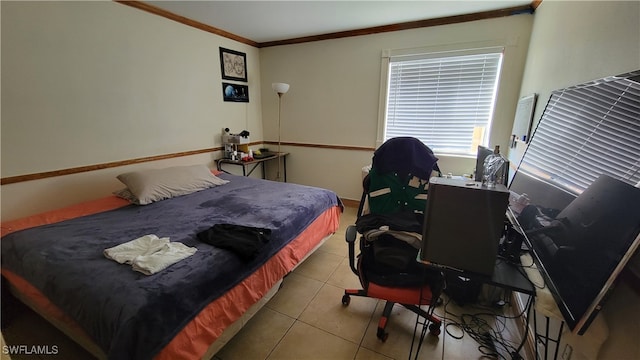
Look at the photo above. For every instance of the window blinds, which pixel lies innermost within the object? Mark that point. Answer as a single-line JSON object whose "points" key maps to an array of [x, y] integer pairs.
{"points": [[588, 130], [446, 102]]}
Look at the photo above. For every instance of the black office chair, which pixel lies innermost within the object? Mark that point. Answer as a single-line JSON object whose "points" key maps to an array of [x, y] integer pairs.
{"points": [[390, 226]]}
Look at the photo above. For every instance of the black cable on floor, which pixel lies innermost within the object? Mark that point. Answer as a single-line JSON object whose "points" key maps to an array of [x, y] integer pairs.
{"points": [[489, 337]]}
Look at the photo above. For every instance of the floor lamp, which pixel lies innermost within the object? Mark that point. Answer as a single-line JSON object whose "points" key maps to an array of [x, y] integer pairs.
{"points": [[280, 89]]}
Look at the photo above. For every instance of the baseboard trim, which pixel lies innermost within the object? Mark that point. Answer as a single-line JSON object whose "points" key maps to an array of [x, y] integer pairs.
{"points": [[350, 203]]}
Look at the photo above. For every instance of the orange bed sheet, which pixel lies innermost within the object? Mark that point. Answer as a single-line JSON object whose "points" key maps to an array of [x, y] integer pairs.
{"points": [[202, 331]]}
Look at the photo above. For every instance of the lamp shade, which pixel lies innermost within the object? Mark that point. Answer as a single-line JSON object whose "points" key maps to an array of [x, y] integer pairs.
{"points": [[280, 88]]}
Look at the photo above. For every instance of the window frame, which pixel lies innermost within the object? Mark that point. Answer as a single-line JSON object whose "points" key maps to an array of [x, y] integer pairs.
{"points": [[388, 55]]}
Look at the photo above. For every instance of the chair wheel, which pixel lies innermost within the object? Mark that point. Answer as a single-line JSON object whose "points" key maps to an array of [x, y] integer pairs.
{"points": [[346, 299], [382, 335], [434, 329]]}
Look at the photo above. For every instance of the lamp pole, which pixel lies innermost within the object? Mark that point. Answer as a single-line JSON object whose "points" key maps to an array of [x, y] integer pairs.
{"points": [[279, 122], [280, 89]]}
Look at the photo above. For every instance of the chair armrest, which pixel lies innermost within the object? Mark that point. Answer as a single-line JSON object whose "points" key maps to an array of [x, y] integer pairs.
{"points": [[351, 234]]}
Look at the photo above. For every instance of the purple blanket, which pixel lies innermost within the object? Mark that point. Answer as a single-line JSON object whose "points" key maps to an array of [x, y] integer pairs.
{"points": [[131, 315]]}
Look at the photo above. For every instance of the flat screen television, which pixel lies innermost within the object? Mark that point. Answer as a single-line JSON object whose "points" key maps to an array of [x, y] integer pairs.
{"points": [[573, 195]]}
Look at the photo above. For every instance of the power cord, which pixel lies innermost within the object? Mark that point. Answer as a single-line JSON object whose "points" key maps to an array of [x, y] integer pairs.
{"points": [[489, 337]]}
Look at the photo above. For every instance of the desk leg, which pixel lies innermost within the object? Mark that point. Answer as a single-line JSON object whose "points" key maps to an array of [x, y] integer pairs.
{"points": [[284, 160], [546, 339], [252, 168], [221, 169], [264, 171]]}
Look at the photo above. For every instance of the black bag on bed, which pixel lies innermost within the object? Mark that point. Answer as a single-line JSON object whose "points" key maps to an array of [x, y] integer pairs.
{"points": [[244, 241]]}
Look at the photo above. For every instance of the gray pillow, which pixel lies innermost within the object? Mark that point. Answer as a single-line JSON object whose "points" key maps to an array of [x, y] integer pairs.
{"points": [[147, 186]]}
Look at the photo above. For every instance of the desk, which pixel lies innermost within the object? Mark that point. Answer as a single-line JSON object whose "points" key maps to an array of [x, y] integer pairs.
{"points": [[509, 277], [506, 275], [253, 164]]}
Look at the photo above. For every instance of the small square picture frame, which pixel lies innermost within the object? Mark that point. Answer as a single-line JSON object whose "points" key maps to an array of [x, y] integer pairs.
{"points": [[233, 65], [235, 92]]}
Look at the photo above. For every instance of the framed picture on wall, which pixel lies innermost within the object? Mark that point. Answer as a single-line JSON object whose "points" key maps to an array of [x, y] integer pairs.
{"points": [[233, 65], [235, 92]]}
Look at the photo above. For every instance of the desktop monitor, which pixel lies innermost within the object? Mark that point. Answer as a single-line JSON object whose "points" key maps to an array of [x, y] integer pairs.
{"points": [[463, 223]]}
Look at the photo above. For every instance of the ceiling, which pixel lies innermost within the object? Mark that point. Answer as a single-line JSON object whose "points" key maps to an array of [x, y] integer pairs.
{"points": [[266, 21]]}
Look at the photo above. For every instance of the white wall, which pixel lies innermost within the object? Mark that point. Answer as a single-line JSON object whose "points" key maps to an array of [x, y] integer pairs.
{"points": [[574, 42], [578, 41], [334, 95], [86, 83]]}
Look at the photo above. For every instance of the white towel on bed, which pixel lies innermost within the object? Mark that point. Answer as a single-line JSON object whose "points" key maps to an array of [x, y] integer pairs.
{"points": [[145, 245], [169, 254]]}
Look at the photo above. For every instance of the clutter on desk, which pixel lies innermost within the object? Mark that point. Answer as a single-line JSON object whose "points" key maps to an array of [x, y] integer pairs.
{"points": [[235, 144], [493, 169], [263, 153], [247, 156]]}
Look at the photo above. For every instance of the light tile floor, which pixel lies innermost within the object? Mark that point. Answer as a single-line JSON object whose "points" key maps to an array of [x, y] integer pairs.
{"points": [[306, 320]]}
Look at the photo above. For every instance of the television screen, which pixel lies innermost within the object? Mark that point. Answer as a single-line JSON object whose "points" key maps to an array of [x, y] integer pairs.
{"points": [[581, 246], [573, 195]]}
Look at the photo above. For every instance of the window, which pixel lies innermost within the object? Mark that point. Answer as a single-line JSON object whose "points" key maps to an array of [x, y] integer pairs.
{"points": [[590, 129], [444, 99]]}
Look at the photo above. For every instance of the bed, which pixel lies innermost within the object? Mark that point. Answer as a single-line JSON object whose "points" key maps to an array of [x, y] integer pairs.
{"points": [[55, 263]]}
